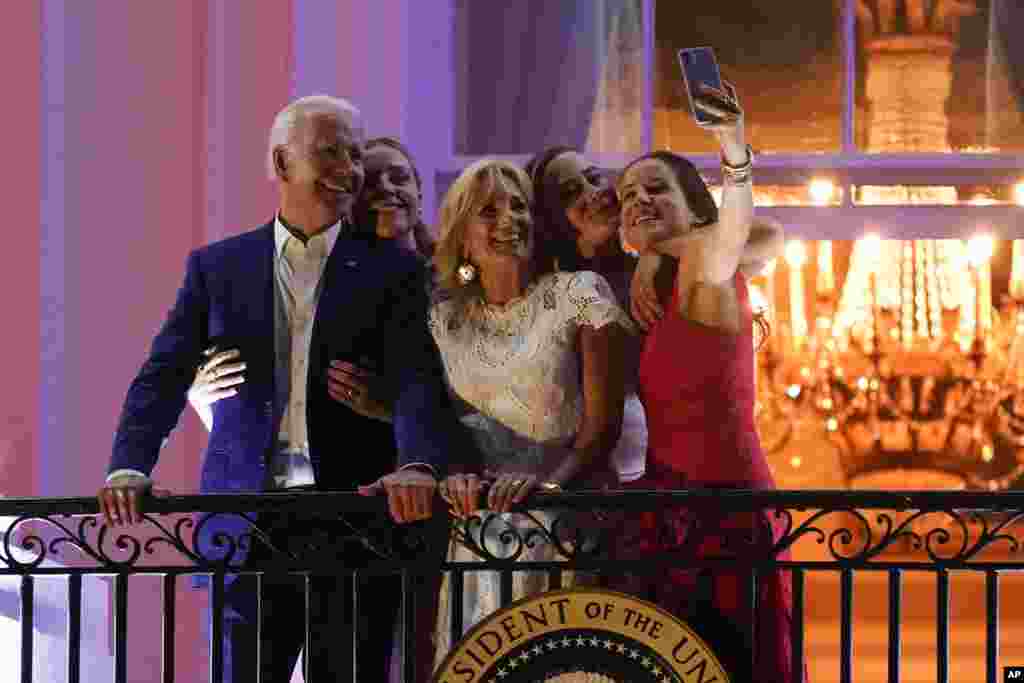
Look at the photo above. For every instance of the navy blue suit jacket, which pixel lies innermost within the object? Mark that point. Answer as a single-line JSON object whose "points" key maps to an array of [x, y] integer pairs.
{"points": [[373, 305]]}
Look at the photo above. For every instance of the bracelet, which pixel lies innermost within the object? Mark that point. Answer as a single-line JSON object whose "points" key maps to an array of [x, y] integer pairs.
{"points": [[549, 486], [741, 174], [739, 167]]}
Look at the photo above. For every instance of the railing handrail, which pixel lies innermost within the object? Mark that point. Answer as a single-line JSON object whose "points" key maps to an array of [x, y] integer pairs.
{"points": [[951, 529], [735, 499], [947, 531]]}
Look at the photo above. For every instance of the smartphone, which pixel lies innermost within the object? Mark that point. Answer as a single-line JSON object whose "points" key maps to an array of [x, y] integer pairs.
{"points": [[700, 67]]}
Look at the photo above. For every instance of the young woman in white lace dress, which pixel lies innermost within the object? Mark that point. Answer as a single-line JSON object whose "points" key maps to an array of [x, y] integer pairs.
{"points": [[534, 359]]}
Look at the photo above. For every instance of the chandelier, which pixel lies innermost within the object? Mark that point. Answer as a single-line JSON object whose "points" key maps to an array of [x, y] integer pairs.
{"points": [[905, 377]]}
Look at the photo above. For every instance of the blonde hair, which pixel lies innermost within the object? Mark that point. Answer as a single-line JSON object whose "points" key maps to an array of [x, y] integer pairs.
{"points": [[474, 186]]}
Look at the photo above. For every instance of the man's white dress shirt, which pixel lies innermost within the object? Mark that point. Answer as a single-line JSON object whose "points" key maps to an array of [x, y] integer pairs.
{"points": [[298, 273]]}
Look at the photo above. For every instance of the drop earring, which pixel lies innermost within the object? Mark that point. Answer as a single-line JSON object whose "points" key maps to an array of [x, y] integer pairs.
{"points": [[466, 273]]}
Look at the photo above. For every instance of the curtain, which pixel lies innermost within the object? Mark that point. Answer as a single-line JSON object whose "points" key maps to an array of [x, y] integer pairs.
{"points": [[532, 73], [1004, 80]]}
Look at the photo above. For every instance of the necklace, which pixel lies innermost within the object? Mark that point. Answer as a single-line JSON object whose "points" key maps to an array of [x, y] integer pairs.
{"points": [[499, 329], [500, 321], [506, 319]]}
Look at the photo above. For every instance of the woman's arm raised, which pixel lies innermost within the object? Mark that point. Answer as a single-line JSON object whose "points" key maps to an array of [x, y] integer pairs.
{"points": [[715, 251], [721, 247], [767, 241]]}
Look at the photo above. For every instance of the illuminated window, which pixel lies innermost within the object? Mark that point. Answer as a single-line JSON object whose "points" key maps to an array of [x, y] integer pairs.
{"points": [[918, 106]]}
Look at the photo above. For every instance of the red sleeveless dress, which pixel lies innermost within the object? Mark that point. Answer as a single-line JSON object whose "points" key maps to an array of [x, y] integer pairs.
{"points": [[697, 388]]}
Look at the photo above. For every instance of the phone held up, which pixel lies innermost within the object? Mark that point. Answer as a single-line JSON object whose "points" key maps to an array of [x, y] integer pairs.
{"points": [[700, 67]]}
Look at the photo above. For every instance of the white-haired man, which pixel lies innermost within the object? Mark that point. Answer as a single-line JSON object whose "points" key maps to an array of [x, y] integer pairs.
{"points": [[292, 298]]}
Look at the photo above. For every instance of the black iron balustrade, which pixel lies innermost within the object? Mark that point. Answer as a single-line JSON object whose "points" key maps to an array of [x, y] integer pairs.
{"points": [[853, 531]]}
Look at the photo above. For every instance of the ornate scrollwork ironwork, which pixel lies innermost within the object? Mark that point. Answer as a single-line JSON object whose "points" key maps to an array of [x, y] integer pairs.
{"points": [[503, 537], [947, 537], [856, 530], [32, 542], [570, 534]]}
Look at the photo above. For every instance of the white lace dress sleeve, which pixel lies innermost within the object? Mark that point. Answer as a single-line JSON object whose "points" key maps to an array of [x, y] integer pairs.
{"points": [[517, 368], [593, 302]]}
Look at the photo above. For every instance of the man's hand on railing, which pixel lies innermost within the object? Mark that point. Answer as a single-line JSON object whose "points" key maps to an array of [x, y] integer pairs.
{"points": [[462, 492], [410, 493], [121, 499]]}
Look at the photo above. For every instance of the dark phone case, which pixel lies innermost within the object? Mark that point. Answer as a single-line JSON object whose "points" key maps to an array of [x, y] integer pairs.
{"points": [[699, 66]]}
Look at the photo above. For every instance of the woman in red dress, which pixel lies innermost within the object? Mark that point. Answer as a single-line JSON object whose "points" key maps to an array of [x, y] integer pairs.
{"points": [[697, 387]]}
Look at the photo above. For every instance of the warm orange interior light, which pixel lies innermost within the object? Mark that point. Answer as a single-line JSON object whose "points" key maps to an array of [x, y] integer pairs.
{"points": [[821, 190], [979, 249], [796, 253]]}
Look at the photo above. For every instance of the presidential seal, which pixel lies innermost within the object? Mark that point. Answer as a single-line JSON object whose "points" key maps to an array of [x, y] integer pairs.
{"points": [[577, 636]]}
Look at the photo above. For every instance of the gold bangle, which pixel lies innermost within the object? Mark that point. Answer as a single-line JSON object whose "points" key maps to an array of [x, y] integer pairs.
{"points": [[550, 486]]}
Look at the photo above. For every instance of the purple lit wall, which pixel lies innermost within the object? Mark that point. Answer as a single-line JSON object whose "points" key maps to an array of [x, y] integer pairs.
{"points": [[144, 138], [136, 132], [20, 277]]}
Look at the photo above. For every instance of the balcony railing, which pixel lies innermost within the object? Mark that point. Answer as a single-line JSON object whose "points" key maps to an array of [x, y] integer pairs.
{"points": [[938, 533]]}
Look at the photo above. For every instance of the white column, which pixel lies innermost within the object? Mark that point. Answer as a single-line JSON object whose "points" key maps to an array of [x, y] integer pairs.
{"points": [[356, 50], [122, 178], [429, 64], [19, 278], [248, 61], [393, 59], [120, 212], [55, 375]]}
